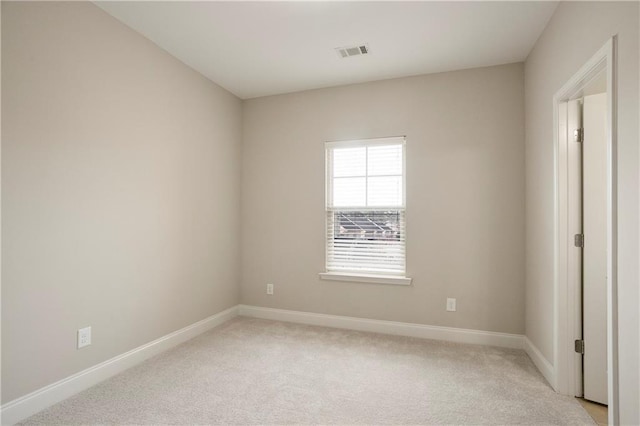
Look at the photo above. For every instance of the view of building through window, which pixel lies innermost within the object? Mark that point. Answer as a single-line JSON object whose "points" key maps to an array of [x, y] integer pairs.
{"points": [[367, 225]]}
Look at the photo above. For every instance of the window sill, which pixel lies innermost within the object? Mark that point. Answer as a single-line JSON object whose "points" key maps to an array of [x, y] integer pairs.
{"points": [[363, 278]]}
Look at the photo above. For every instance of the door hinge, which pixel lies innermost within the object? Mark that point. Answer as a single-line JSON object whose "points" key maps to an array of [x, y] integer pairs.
{"points": [[578, 240], [578, 135], [579, 346]]}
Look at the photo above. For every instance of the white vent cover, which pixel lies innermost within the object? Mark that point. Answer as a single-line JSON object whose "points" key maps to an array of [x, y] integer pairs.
{"points": [[348, 51]]}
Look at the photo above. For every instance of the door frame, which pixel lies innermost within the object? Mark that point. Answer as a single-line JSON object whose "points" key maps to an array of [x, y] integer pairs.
{"points": [[567, 292]]}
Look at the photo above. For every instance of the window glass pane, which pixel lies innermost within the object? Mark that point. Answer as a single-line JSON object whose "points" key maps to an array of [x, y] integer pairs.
{"points": [[366, 241], [367, 225], [349, 161], [385, 160], [349, 192], [385, 191]]}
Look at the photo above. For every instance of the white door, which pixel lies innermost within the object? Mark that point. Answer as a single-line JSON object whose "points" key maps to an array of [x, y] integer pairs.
{"points": [[594, 196], [573, 113]]}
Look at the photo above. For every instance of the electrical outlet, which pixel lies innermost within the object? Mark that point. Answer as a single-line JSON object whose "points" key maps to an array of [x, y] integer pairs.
{"points": [[270, 289], [451, 304], [84, 337]]}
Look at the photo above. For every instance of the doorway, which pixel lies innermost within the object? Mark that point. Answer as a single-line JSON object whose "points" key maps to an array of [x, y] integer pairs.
{"points": [[585, 311]]}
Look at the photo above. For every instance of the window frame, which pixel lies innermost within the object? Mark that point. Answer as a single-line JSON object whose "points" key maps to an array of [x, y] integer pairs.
{"points": [[372, 277]]}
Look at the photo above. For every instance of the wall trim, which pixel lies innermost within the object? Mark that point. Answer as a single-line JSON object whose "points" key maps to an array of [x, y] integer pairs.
{"points": [[449, 334], [544, 366], [19, 409]]}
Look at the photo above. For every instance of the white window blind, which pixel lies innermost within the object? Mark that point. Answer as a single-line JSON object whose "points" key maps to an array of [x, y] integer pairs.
{"points": [[366, 206]]}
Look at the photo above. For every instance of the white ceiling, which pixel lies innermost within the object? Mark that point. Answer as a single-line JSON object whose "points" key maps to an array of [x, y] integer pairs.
{"points": [[263, 48]]}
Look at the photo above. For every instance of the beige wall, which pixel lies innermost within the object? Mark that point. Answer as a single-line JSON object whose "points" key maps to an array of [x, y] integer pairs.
{"points": [[465, 197], [120, 192], [576, 31]]}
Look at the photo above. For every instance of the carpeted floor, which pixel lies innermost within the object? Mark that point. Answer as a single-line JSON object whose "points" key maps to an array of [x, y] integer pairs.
{"points": [[251, 371]]}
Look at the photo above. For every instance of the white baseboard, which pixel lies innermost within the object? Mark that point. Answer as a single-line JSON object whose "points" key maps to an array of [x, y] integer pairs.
{"points": [[23, 407], [541, 362], [450, 334]]}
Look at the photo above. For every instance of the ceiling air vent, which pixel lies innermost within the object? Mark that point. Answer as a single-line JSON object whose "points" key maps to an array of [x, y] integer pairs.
{"points": [[346, 52]]}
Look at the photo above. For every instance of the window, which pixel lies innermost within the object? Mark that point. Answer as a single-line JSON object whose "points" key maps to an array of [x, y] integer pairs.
{"points": [[365, 207]]}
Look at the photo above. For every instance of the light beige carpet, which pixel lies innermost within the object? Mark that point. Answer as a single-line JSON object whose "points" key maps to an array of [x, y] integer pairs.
{"points": [[251, 371]]}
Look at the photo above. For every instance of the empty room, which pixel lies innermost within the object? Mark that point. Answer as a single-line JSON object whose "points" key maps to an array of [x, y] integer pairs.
{"points": [[320, 212]]}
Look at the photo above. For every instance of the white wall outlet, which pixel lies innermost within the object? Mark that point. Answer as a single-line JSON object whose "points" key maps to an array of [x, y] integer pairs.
{"points": [[451, 304], [270, 289], [84, 337]]}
